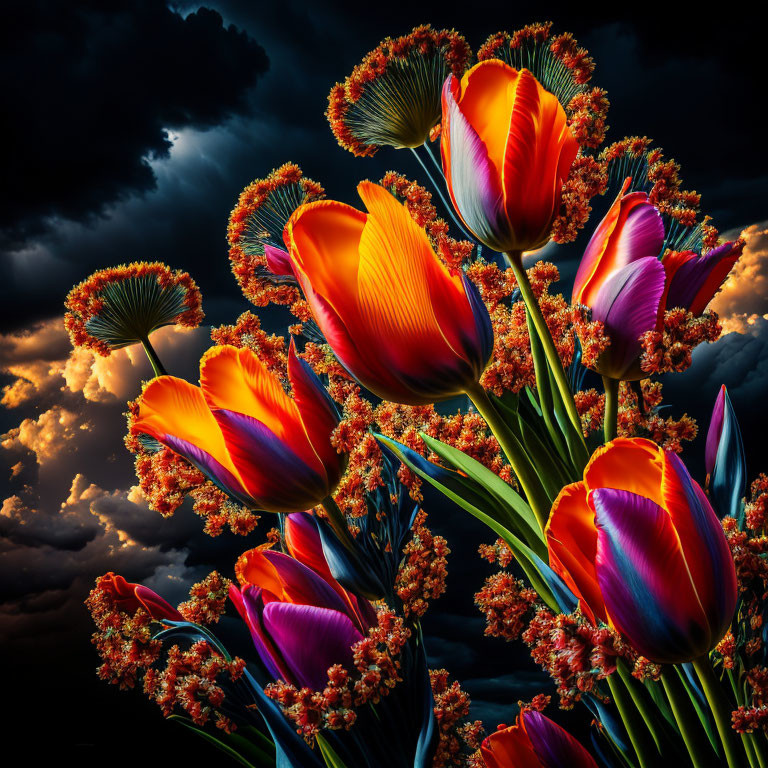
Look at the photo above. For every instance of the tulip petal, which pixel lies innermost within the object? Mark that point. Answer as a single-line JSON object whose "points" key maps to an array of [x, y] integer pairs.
{"points": [[728, 481], [572, 543], [509, 747], [156, 606], [608, 467], [317, 411], [695, 279], [311, 640], [655, 608], [631, 230], [715, 431], [555, 747], [538, 155], [175, 413], [628, 305], [236, 380], [703, 543], [277, 478], [250, 605], [472, 179], [304, 544]]}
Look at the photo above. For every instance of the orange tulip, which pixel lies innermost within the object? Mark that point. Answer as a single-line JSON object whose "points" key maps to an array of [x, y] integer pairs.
{"points": [[242, 430], [507, 150], [404, 326]]}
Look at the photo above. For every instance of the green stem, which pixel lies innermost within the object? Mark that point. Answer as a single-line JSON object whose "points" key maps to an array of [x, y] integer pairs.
{"points": [[638, 693], [748, 744], [338, 521], [154, 360], [553, 358], [758, 743], [515, 453], [636, 731], [611, 418], [687, 722], [720, 711]]}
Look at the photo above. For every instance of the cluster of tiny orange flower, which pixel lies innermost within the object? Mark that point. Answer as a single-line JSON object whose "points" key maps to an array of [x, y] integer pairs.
{"points": [[377, 663], [744, 654], [85, 300], [669, 349], [166, 479], [456, 735], [386, 57], [189, 681], [207, 600], [422, 573], [246, 239], [639, 417], [507, 604], [130, 655]]}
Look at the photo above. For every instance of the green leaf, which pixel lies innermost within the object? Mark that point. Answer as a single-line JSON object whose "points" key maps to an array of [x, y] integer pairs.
{"points": [[332, 760], [703, 713], [240, 749], [502, 492], [460, 490]]}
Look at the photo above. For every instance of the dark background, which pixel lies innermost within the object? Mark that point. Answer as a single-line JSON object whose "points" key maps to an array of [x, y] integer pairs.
{"points": [[132, 127]]}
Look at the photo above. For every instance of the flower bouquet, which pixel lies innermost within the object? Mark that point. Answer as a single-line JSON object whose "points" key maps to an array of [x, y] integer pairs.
{"points": [[429, 353]]}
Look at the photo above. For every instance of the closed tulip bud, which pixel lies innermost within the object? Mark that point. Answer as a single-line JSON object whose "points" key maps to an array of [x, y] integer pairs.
{"points": [[129, 597], [507, 150]]}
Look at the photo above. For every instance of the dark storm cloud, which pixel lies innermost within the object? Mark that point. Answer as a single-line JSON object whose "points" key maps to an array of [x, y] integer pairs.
{"points": [[91, 89]]}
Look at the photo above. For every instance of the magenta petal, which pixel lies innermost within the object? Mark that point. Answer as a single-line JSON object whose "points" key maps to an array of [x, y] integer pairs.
{"points": [[553, 745], [303, 583], [474, 185], [311, 640], [715, 430], [642, 235], [696, 272], [278, 261], [644, 579], [628, 304]]}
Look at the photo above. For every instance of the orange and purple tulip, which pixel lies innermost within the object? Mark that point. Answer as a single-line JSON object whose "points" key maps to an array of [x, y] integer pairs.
{"points": [[129, 597], [401, 323], [640, 546], [622, 280], [242, 430], [507, 150], [300, 623], [534, 741]]}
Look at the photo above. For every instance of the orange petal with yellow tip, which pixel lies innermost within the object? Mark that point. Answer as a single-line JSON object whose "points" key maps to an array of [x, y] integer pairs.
{"points": [[236, 380], [631, 464], [173, 410], [572, 544], [486, 97]]}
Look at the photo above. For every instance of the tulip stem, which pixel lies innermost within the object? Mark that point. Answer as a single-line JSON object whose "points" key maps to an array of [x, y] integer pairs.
{"points": [[611, 418], [633, 722], [690, 729], [515, 453], [720, 711], [447, 205], [337, 521], [154, 360], [515, 259]]}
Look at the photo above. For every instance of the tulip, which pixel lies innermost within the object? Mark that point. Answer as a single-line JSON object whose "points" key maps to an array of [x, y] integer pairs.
{"points": [[534, 741], [626, 287], [640, 546], [724, 459], [402, 324], [241, 429], [129, 597], [300, 624], [507, 150]]}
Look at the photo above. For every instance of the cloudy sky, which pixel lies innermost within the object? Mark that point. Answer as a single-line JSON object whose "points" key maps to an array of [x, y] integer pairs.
{"points": [[133, 127]]}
